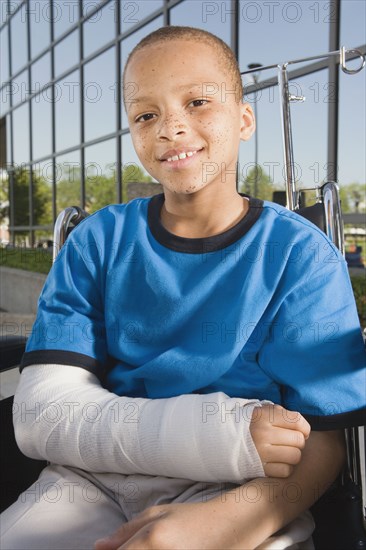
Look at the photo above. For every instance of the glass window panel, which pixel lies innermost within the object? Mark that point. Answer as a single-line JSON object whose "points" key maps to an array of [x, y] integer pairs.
{"points": [[310, 127], [133, 13], [66, 14], [353, 17], [264, 147], [100, 95], [67, 53], [100, 175], [352, 131], [203, 15], [132, 169], [129, 43], [19, 88], [99, 29], [13, 6], [21, 134], [274, 32], [19, 40], [68, 180], [5, 94], [8, 140], [67, 111], [41, 125], [4, 55], [21, 197], [90, 5], [42, 193], [39, 14], [41, 72]]}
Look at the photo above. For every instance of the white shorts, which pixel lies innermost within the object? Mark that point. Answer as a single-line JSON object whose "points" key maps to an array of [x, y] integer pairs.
{"points": [[69, 509]]}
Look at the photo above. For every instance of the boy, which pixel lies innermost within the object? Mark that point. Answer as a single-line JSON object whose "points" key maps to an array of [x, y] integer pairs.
{"points": [[184, 307]]}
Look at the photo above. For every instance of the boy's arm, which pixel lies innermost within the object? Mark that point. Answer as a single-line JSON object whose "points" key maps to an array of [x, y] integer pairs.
{"points": [[63, 415], [242, 518]]}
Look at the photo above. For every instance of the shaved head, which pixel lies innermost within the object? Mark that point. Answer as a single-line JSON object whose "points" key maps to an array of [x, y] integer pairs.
{"points": [[225, 56]]}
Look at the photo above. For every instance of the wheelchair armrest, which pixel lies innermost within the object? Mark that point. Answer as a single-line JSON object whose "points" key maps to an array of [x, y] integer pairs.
{"points": [[11, 351], [17, 471]]}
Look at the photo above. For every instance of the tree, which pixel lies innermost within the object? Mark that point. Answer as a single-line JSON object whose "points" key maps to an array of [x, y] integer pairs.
{"points": [[353, 197], [258, 183], [41, 198]]}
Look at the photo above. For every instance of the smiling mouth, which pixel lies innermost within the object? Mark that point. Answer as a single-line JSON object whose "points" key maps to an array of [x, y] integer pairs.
{"points": [[181, 156]]}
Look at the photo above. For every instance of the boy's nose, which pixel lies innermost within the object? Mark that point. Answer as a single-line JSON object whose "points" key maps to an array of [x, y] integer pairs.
{"points": [[171, 127]]}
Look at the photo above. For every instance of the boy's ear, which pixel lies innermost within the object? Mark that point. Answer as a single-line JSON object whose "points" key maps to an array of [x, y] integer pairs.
{"points": [[247, 127]]}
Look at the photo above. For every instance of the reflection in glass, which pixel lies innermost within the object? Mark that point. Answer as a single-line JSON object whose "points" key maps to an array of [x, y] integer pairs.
{"points": [[20, 193], [40, 25], [19, 39], [100, 95], [42, 193], [99, 29], [292, 23], [5, 94], [310, 147], [41, 72], [269, 176], [4, 54], [132, 169], [21, 134], [12, 7], [129, 43], [67, 53], [67, 111], [352, 135], [133, 13], [353, 17], [90, 5], [213, 17], [100, 175], [41, 124], [8, 140], [19, 88], [65, 15], [68, 178]]}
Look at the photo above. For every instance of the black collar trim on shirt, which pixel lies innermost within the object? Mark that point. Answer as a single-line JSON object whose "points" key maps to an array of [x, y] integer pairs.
{"points": [[200, 245]]}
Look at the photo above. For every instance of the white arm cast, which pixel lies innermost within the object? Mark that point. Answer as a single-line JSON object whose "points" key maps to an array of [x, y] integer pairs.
{"points": [[63, 415]]}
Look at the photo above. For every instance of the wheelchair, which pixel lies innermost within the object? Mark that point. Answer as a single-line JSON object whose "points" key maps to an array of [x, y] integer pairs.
{"points": [[340, 514]]}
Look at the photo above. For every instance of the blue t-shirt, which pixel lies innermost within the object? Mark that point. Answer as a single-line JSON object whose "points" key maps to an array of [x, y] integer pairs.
{"points": [[264, 310]]}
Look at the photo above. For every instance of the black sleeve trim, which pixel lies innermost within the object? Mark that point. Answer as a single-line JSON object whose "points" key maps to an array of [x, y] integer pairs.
{"points": [[60, 357], [337, 421]]}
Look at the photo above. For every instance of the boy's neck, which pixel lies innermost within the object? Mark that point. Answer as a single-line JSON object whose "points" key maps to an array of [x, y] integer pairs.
{"points": [[199, 216]]}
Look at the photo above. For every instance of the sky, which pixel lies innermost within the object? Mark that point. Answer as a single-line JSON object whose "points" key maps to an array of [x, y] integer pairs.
{"points": [[271, 32]]}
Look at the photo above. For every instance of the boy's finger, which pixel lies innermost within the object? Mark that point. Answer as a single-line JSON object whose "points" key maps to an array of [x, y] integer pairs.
{"points": [[291, 420], [281, 454], [273, 469], [284, 437]]}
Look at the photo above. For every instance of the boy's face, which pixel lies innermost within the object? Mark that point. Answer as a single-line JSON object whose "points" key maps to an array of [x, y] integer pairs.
{"points": [[180, 102]]}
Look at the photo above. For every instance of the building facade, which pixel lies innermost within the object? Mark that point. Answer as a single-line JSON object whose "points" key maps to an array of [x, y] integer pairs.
{"points": [[64, 137]]}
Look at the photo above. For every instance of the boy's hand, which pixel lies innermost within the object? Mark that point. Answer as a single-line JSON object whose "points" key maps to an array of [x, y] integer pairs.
{"points": [[187, 526], [279, 436]]}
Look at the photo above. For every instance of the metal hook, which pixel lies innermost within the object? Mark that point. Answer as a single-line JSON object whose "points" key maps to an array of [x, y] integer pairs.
{"points": [[342, 60]]}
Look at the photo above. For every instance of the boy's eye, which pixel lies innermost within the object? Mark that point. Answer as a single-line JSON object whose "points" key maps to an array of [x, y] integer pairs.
{"points": [[145, 117], [198, 102]]}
